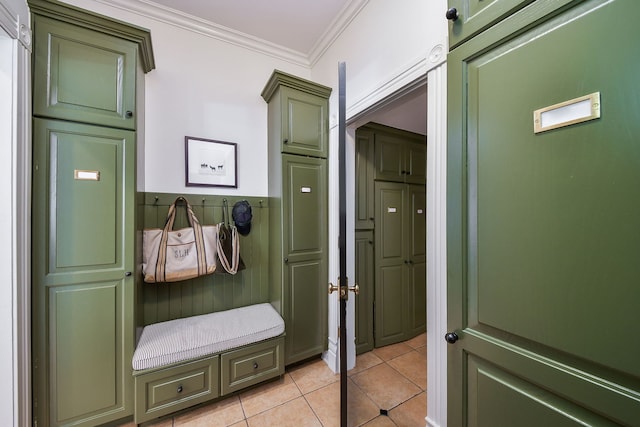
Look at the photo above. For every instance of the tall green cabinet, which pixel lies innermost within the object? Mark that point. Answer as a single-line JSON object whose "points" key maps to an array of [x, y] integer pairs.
{"points": [[298, 120], [543, 225], [390, 210], [85, 72]]}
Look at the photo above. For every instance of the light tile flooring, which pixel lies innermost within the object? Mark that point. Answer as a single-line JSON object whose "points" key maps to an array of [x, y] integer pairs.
{"points": [[391, 378]]}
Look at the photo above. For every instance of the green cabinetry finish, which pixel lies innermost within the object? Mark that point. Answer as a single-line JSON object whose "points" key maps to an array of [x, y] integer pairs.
{"points": [[400, 262], [84, 164], [303, 114], [476, 15], [298, 215], [543, 229], [399, 156], [390, 211], [365, 175], [364, 277]]}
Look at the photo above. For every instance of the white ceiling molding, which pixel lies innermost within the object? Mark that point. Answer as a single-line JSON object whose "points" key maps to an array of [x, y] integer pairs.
{"points": [[206, 28], [337, 26], [201, 26]]}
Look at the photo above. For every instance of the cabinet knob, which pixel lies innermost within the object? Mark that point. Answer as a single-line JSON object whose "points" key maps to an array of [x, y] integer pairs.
{"points": [[255, 365], [129, 113], [452, 14], [451, 337], [286, 141], [286, 260], [179, 390], [127, 273]]}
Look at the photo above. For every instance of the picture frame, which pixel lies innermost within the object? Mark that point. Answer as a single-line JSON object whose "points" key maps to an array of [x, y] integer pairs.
{"points": [[210, 163]]}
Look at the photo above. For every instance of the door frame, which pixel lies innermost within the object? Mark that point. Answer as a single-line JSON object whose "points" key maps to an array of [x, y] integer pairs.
{"points": [[433, 73], [14, 19]]}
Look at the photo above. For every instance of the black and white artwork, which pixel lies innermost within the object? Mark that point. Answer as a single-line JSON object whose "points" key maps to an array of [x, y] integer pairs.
{"points": [[210, 163]]}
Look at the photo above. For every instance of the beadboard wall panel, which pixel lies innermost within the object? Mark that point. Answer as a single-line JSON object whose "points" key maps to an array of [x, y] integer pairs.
{"points": [[159, 302]]}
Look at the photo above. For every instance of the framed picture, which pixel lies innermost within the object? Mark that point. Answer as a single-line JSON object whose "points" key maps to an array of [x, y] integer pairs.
{"points": [[210, 163]]}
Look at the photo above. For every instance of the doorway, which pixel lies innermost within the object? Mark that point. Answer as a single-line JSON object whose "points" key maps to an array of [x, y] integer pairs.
{"points": [[390, 221]]}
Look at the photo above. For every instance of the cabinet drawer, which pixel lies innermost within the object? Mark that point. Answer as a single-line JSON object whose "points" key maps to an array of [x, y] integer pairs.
{"points": [[167, 390], [251, 365]]}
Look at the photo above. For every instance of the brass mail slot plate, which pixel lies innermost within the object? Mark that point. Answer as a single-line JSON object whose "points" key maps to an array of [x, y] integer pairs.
{"points": [[567, 113], [84, 175]]}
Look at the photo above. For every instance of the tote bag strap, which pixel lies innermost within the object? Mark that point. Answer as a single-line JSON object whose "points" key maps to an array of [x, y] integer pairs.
{"points": [[197, 233]]}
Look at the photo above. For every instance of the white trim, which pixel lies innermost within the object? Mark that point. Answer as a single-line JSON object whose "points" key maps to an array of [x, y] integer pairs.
{"points": [[396, 85], [335, 29], [195, 24], [177, 18], [437, 246]]}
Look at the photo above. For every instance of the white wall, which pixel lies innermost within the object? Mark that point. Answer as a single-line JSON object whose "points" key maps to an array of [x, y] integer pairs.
{"points": [[206, 88]]}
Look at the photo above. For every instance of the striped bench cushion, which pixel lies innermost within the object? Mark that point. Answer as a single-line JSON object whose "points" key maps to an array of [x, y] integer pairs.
{"points": [[197, 336]]}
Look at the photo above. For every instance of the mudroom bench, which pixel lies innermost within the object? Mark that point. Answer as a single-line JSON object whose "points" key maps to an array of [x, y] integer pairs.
{"points": [[183, 362]]}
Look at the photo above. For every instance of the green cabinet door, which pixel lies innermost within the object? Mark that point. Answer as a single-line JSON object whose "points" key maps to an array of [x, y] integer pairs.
{"points": [[476, 15], [391, 269], [83, 75], [417, 256], [365, 174], [364, 278], [298, 115], [544, 228], [400, 262], [305, 123], [400, 156], [304, 225], [82, 292]]}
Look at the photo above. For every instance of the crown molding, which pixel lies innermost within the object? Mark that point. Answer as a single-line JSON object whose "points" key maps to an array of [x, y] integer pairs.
{"points": [[337, 26], [167, 15], [179, 19]]}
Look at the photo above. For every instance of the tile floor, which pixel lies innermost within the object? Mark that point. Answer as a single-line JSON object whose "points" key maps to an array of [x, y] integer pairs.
{"points": [[392, 378]]}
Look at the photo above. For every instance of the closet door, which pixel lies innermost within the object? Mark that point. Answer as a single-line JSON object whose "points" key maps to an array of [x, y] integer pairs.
{"points": [[83, 199], [305, 237], [83, 75], [417, 286], [391, 299]]}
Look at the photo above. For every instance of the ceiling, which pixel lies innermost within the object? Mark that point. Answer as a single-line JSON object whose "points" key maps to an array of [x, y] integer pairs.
{"points": [[293, 24], [299, 26]]}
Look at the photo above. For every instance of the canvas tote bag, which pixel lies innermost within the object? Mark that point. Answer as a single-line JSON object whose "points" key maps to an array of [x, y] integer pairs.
{"points": [[228, 248], [172, 255]]}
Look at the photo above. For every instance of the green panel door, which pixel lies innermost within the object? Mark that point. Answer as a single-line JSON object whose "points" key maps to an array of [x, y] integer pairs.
{"points": [[476, 15], [83, 237], [417, 281], [390, 158], [391, 299], [365, 174], [305, 123], [87, 76], [544, 228], [364, 277], [305, 261]]}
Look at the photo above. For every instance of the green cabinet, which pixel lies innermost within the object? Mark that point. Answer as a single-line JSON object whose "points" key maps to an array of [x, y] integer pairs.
{"points": [[390, 210], [83, 223], [364, 277], [400, 262], [301, 115], [365, 175], [82, 292], [474, 16], [298, 214], [543, 228], [399, 156]]}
